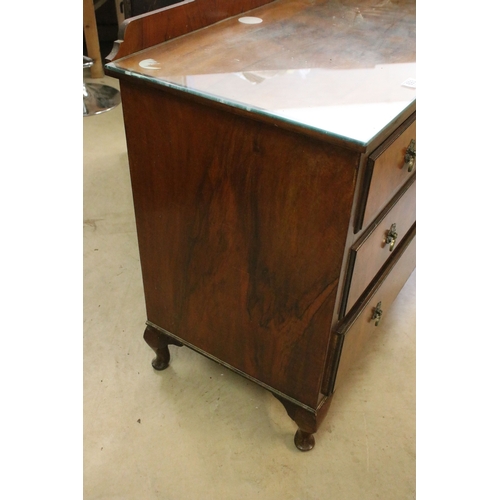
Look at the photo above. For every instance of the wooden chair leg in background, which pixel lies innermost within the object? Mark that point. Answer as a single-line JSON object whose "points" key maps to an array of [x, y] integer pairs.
{"points": [[92, 39]]}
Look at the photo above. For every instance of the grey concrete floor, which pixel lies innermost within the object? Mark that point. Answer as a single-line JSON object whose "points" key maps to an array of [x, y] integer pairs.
{"points": [[196, 430]]}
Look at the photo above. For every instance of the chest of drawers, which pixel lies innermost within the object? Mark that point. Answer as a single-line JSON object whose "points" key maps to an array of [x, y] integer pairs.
{"points": [[273, 168]]}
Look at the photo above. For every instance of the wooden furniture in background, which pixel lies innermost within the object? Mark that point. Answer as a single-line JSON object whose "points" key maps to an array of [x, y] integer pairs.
{"points": [[120, 11], [92, 39], [132, 8], [273, 174]]}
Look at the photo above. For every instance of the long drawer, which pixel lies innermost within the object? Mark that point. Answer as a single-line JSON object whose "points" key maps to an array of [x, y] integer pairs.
{"points": [[355, 330], [377, 243], [388, 168]]}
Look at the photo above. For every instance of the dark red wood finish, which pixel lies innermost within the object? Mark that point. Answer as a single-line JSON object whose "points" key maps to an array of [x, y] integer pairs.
{"points": [[244, 220], [145, 30], [241, 231]]}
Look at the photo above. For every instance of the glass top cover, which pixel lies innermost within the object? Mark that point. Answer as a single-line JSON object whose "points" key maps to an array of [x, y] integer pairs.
{"points": [[342, 67]]}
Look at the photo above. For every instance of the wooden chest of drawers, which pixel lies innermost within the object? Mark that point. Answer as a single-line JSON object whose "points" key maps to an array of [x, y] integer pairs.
{"points": [[274, 185]]}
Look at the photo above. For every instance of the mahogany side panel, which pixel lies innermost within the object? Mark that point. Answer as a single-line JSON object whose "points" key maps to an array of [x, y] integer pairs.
{"points": [[241, 229], [143, 31]]}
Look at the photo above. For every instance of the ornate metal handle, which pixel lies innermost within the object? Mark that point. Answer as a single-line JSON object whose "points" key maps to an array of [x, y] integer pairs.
{"points": [[377, 313], [391, 237], [410, 156]]}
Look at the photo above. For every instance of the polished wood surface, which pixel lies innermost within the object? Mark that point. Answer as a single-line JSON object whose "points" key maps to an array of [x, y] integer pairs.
{"points": [[292, 34], [371, 251], [310, 63], [354, 333], [386, 172], [246, 212], [146, 30], [236, 222]]}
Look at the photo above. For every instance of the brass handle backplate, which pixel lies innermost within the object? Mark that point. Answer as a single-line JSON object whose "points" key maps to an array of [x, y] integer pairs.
{"points": [[391, 237], [377, 313], [410, 156]]}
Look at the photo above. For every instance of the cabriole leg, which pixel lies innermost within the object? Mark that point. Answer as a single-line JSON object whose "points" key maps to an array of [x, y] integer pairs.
{"points": [[159, 341], [307, 422]]}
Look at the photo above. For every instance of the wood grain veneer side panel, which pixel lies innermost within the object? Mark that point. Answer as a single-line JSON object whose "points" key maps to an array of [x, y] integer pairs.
{"points": [[140, 32], [241, 229]]}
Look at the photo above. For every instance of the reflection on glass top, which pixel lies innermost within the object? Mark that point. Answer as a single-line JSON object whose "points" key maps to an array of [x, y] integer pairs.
{"points": [[344, 67]]}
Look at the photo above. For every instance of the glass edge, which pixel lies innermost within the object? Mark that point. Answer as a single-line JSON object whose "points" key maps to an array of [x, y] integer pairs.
{"points": [[112, 67]]}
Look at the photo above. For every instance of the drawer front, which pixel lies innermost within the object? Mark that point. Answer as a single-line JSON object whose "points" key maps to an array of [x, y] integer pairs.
{"points": [[371, 251], [388, 168], [357, 328]]}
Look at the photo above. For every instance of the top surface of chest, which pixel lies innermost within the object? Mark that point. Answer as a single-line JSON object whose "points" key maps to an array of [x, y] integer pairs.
{"points": [[339, 67]]}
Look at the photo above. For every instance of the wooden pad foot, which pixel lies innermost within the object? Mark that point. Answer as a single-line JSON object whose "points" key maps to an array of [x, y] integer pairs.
{"points": [[159, 342], [304, 441], [308, 421]]}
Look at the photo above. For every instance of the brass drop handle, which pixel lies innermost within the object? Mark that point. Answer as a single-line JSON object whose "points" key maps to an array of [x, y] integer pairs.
{"points": [[377, 313], [391, 237], [410, 156]]}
